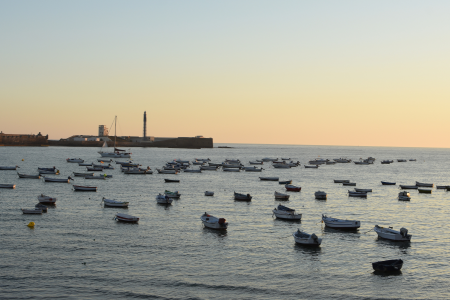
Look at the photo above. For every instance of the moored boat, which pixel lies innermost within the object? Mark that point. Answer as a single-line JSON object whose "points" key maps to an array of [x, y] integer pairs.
{"points": [[212, 222], [84, 188], [304, 238], [164, 199], [424, 191], [242, 197], [292, 188], [388, 183], [114, 203], [9, 168], [126, 218], [340, 223], [29, 176], [388, 266], [100, 176], [320, 195], [442, 187], [46, 199], [269, 178], [256, 162], [41, 207], [349, 183], [391, 234], [167, 171], [209, 193], [285, 182], [408, 187], [75, 160], [281, 196], [421, 184], [231, 169], [48, 179], [357, 194], [284, 212], [312, 167], [341, 181], [171, 180], [7, 186], [363, 190], [170, 194], [192, 171], [404, 196], [31, 211]]}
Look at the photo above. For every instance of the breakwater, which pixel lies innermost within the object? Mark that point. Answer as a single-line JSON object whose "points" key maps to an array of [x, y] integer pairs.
{"points": [[23, 139]]}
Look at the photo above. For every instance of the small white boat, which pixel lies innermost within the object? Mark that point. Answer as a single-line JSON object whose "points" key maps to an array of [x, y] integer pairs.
{"points": [[48, 179], [339, 223], [320, 195], [404, 196], [283, 212], [167, 171], [281, 196], [269, 178], [9, 168], [341, 181], [363, 190], [7, 186], [163, 199], [46, 199], [209, 193], [29, 176], [421, 184], [391, 234], [85, 188], [75, 160], [306, 239], [126, 218], [31, 211], [242, 197], [312, 167], [114, 203], [231, 170], [213, 222]]}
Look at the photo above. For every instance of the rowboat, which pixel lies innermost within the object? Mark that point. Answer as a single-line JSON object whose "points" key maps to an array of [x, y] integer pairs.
{"points": [[41, 207], [114, 203], [256, 162], [408, 187], [231, 170], [312, 167], [387, 183], [171, 180], [404, 196], [349, 183], [342, 160], [424, 191], [9, 168], [212, 222], [341, 181], [285, 182], [320, 195], [192, 171], [48, 179], [209, 193], [75, 160], [421, 184], [253, 169], [7, 186], [356, 194], [386, 162], [281, 166], [93, 169], [46, 169], [306, 239], [82, 188], [281, 196], [167, 171], [292, 188], [391, 234], [164, 199], [413, 159], [269, 178], [126, 218], [29, 176], [170, 194], [388, 266], [363, 190], [46, 199], [242, 197], [283, 212], [401, 160], [442, 187], [31, 211], [339, 223]]}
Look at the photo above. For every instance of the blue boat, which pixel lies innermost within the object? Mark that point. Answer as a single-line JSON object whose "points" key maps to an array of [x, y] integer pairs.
{"points": [[387, 183]]}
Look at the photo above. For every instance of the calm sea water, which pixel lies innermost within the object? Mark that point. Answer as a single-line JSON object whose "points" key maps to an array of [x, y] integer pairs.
{"points": [[77, 250]]}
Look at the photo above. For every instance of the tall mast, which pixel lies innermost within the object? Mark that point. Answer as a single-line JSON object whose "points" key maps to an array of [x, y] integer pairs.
{"points": [[115, 133]]}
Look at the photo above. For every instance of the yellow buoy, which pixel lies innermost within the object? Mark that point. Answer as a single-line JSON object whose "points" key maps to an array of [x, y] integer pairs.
{"points": [[23, 159], [31, 224]]}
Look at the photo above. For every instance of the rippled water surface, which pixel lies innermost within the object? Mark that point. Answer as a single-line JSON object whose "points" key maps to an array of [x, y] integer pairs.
{"points": [[77, 250]]}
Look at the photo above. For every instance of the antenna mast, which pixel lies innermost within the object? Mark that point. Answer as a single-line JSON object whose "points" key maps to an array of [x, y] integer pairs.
{"points": [[145, 125]]}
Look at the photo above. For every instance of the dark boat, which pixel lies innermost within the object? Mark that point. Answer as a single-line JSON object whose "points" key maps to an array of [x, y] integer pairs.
{"points": [[387, 183], [171, 180], [393, 265], [285, 182]]}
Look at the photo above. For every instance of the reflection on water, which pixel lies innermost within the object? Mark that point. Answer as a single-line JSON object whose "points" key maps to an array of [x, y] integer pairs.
{"points": [[393, 244], [313, 251]]}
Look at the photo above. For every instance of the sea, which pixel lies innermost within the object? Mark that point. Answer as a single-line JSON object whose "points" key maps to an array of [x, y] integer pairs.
{"points": [[78, 251]]}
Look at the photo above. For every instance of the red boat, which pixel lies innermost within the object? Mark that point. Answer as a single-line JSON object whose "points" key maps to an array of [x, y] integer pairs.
{"points": [[292, 188]]}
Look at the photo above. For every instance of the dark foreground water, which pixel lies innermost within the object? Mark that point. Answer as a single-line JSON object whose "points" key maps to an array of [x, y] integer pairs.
{"points": [[77, 250]]}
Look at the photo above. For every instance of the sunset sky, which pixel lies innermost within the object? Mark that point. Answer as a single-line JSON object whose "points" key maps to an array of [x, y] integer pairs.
{"points": [[363, 73]]}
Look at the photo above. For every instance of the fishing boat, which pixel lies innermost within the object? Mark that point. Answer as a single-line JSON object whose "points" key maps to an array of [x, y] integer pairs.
{"points": [[76, 174], [421, 184], [340, 223], [7, 186], [29, 176], [31, 211], [269, 178], [41, 207], [424, 191], [212, 222], [388, 266], [126, 218], [114, 203], [192, 171], [209, 193], [304, 238], [281, 196], [408, 187], [48, 179], [170, 194], [349, 183], [312, 167], [285, 182], [75, 160], [164, 199], [242, 197], [46, 199], [292, 188], [404, 196], [82, 188], [167, 171], [171, 180], [320, 195], [341, 181], [391, 234], [284, 212], [388, 183], [363, 190], [8, 168], [117, 153]]}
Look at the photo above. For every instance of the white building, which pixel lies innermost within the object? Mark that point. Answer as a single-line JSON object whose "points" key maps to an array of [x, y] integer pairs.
{"points": [[103, 130]]}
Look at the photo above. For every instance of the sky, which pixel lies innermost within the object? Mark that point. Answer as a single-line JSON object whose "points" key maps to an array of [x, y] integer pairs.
{"points": [[359, 73]]}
